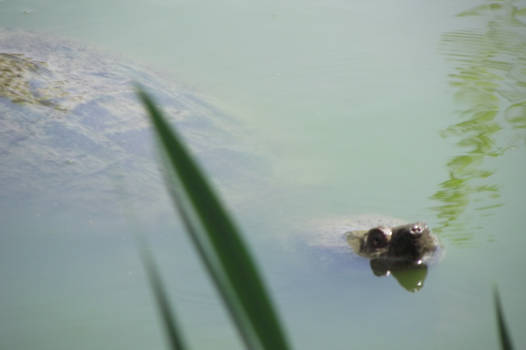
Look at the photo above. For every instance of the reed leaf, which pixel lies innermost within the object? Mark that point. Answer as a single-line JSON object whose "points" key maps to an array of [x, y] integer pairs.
{"points": [[217, 240], [172, 331], [504, 336]]}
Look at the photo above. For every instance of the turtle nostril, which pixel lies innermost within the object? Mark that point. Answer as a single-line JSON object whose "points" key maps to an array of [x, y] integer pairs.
{"points": [[416, 229]]}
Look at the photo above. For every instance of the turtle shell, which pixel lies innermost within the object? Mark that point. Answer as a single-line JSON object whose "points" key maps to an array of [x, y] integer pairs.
{"points": [[72, 129]]}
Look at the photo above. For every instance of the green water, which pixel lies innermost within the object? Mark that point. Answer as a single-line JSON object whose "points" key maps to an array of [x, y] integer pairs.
{"points": [[403, 109]]}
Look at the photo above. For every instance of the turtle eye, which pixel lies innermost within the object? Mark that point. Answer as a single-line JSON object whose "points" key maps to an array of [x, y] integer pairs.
{"points": [[376, 238]]}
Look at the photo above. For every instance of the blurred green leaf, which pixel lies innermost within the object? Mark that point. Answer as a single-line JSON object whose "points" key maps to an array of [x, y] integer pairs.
{"points": [[505, 340], [217, 241], [169, 321]]}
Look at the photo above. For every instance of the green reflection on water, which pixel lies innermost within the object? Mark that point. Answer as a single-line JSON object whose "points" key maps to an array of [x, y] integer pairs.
{"points": [[490, 84]]}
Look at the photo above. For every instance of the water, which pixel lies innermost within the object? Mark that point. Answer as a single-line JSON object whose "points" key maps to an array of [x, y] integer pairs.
{"points": [[405, 109]]}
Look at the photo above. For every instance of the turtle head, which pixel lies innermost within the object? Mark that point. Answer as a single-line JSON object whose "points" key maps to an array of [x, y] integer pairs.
{"points": [[411, 242]]}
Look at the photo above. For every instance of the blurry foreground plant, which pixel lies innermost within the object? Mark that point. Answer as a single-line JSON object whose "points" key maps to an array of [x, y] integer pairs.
{"points": [[217, 240]]}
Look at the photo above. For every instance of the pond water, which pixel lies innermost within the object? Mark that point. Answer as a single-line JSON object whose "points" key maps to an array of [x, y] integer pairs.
{"points": [[333, 110]]}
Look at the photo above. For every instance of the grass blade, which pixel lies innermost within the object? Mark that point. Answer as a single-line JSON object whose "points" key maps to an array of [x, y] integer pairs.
{"points": [[505, 339], [219, 243], [172, 332], [222, 286]]}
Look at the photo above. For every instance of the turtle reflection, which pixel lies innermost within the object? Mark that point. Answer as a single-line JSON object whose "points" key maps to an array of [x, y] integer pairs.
{"points": [[410, 276]]}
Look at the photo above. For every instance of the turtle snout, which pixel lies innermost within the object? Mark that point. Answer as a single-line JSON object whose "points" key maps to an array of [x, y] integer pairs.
{"points": [[407, 241], [418, 228]]}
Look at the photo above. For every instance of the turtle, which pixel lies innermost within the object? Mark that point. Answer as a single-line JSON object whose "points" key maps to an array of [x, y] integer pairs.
{"points": [[73, 132], [411, 243], [393, 246]]}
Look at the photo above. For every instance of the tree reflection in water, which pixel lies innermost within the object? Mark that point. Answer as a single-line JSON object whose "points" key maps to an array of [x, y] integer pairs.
{"points": [[489, 79]]}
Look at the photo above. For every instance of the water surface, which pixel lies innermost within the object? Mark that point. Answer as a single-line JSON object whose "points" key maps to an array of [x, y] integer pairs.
{"points": [[412, 110]]}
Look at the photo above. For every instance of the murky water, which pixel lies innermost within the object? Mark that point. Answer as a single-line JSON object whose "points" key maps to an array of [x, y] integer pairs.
{"points": [[410, 110]]}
